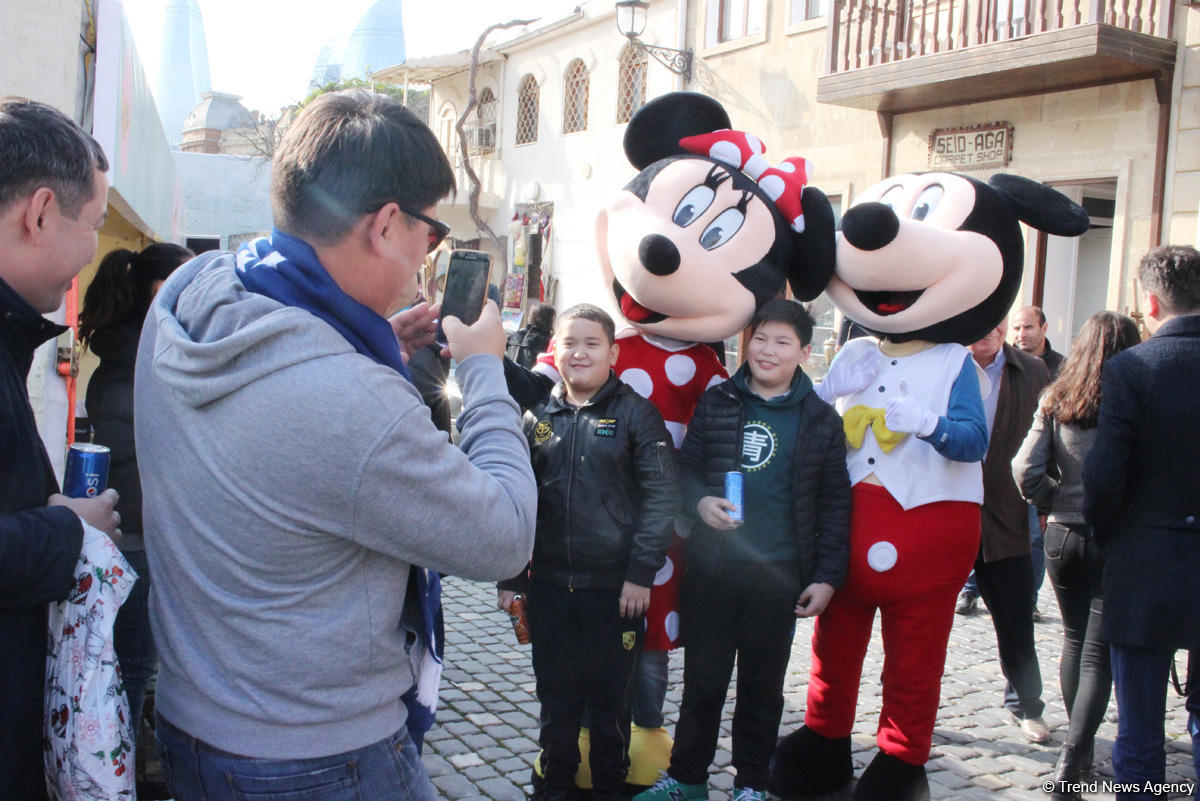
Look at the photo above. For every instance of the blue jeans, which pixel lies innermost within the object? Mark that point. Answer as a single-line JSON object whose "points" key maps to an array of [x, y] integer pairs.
{"points": [[388, 769], [1037, 542], [650, 689], [1141, 676]]}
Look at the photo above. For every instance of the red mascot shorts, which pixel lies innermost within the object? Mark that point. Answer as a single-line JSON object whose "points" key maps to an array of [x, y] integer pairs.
{"points": [[910, 565]]}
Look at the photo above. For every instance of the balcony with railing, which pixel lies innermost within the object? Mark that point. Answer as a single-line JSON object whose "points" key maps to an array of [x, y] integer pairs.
{"points": [[895, 56]]}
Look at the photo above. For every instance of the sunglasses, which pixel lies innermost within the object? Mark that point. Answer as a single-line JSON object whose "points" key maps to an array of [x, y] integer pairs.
{"points": [[438, 230]]}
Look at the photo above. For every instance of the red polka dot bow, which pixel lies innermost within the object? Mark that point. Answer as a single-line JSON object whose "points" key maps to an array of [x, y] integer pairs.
{"points": [[783, 183]]}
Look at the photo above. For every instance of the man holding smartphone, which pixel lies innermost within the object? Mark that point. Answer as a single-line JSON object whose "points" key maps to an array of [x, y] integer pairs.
{"points": [[285, 560]]}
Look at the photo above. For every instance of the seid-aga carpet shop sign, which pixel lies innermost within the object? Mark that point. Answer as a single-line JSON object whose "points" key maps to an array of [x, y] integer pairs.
{"points": [[974, 148]]}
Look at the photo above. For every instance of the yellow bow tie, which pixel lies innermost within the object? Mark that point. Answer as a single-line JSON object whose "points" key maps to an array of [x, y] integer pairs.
{"points": [[855, 422]]}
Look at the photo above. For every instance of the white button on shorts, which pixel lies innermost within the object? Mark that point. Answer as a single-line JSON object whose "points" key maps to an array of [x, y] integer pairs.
{"points": [[882, 556]]}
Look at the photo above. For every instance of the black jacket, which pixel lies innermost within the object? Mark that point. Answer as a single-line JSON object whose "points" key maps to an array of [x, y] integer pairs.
{"points": [[1005, 514], [526, 345], [110, 412], [39, 547], [820, 481], [608, 489], [1141, 489]]}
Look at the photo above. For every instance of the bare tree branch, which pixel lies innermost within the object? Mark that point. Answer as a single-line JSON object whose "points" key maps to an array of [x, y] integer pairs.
{"points": [[460, 127]]}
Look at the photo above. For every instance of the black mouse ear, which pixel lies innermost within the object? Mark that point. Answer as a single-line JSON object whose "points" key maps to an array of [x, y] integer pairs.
{"points": [[656, 128], [1041, 207], [814, 249]]}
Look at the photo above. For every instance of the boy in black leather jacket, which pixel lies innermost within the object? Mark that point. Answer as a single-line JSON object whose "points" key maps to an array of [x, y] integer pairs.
{"points": [[749, 579], [608, 493]]}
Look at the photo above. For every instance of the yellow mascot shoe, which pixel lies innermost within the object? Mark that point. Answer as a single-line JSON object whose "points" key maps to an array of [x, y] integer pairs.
{"points": [[649, 755]]}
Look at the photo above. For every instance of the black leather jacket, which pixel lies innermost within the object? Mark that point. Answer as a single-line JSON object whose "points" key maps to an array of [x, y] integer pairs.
{"points": [[608, 489], [39, 546], [820, 481]]}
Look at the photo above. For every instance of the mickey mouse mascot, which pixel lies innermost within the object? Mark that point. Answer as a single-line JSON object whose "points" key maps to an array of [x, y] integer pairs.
{"points": [[928, 263], [704, 234]]}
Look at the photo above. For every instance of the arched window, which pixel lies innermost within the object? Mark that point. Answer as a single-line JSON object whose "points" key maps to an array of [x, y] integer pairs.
{"points": [[631, 83], [445, 131], [527, 110], [483, 136], [575, 97]]}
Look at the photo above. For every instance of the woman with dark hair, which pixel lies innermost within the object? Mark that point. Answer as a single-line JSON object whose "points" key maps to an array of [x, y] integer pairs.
{"points": [[1048, 469], [110, 325]]}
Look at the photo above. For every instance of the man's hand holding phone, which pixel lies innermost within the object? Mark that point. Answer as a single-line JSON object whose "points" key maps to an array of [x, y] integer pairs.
{"points": [[485, 336], [415, 326]]}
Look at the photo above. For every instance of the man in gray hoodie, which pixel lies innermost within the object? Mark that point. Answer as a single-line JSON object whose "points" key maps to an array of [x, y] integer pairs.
{"points": [[293, 479]]}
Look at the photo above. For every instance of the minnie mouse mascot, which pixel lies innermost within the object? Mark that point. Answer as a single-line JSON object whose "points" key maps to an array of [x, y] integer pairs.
{"points": [[928, 263]]}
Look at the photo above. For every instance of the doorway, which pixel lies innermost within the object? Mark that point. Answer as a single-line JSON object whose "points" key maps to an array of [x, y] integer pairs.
{"points": [[1072, 273]]}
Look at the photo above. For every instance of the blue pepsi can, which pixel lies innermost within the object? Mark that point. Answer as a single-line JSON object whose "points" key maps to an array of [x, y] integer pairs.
{"points": [[733, 494], [87, 470]]}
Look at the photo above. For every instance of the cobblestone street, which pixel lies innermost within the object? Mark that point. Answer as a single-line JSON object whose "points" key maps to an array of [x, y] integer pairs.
{"points": [[486, 738]]}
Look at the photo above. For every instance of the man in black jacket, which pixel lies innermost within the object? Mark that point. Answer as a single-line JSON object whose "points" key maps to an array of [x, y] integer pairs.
{"points": [[608, 493], [1004, 568], [53, 200], [1142, 497]]}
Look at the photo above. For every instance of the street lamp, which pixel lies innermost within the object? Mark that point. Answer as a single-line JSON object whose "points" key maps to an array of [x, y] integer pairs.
{"points": [[631, 21]]}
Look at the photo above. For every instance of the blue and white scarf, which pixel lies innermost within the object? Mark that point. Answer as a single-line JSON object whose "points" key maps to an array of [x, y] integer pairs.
{"points": [[287, 269]]}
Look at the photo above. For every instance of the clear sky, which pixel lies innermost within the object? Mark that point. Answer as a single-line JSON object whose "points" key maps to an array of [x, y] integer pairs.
{"points": [[264, 50]]}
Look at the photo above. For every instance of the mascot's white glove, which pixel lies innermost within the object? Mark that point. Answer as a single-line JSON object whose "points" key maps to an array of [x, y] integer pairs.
{"points": [[905, 416], [852, 378]]}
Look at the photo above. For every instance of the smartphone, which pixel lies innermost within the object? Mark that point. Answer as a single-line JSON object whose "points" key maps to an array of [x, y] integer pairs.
{"points": [[466, 287]]}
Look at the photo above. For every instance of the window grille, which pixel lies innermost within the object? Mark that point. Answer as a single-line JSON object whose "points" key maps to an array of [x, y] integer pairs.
{"points": [[575, 98], [527, 110], [631, 83]]}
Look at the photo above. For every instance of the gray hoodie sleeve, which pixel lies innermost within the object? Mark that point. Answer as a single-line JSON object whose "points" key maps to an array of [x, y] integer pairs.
{"points": [[468, 512]]}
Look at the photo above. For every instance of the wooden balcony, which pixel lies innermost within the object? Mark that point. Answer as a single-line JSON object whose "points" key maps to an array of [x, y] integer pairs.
{"points": [[895, 56]]}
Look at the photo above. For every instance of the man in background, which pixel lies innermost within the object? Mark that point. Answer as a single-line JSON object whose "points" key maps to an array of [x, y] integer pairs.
{"points": [[1004, 571], [53, 202], [1029, 335], [1142, 497]]}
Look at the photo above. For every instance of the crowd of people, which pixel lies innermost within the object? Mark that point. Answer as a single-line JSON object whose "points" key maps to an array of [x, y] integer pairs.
{"points": [[287, 487]]}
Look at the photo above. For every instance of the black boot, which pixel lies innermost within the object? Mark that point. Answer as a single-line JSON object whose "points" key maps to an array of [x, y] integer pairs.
{"points": [[890, 779], [1068, 771], [806, 764]]}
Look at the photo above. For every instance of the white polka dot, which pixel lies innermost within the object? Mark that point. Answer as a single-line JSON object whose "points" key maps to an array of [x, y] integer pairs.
{"points": [[785, 166], [881, 556], [755, 166], [671, 625], [680, 369], [677, 431], [640, 380], [756, 145], [772, 185], [727, 152], [712, 382], [665, 572]]}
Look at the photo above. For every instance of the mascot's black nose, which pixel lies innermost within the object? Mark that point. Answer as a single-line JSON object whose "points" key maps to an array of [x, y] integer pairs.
{"points": [[659, 254], [870, 226]]}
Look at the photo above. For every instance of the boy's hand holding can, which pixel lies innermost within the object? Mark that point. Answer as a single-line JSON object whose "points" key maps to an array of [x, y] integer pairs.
{"points": [[715, 511]]}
